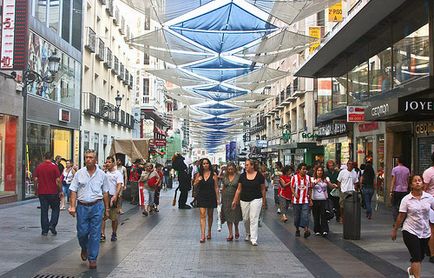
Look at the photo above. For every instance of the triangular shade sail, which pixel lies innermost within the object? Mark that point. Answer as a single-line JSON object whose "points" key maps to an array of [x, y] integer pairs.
{"points": [[291, 11], [257, 79], [225, 28], [252, 96], [215, 120], [186, 113], [216, 109], [187, 100], [220, 69], [276, 47], [178, 77], [218, 92], [219, 126], [168, 47]]}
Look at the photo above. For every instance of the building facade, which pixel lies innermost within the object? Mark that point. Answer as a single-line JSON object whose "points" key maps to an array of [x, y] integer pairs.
{"points": [[108, 75], [53, 107], [386, 68]]}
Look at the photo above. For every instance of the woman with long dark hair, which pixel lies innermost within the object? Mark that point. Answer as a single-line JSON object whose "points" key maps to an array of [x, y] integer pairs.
{"points": [[229, 187], [207, 195], [368, 186], [250, 195], [320, 183]]}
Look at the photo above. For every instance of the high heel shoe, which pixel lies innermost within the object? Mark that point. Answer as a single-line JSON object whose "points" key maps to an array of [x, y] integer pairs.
{"points": [[237, 235], [208, 237], [202, 240], [230, 238]]}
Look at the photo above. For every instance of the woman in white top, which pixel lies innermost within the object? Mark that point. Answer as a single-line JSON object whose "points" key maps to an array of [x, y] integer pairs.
{"points": [[320, 198], [415, 208], [67, 176]]}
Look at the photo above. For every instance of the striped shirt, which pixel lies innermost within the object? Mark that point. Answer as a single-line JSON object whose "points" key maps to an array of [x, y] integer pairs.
{"points": [[301, 189]]}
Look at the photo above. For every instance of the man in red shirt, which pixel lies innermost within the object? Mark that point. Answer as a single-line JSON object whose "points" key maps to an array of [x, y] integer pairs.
{"points": [[48, 188]]}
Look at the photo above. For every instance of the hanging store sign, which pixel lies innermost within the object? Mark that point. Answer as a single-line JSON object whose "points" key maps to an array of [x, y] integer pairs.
{"points": [[335, 12], [159, 142], [315, 32], [331, 129], [261, 143], [8, 34], [365, 127], [14, 33], [355, 114]]}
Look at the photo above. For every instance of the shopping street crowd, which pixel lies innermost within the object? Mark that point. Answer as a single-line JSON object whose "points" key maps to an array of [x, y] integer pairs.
{"points": [[238, 193]]}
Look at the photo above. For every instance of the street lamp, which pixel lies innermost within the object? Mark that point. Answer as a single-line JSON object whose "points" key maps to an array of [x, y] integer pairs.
{"points": [[31, 76], [118, 102]]}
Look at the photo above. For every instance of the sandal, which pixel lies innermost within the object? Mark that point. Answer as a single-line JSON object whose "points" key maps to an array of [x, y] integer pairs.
{"points": [[202, 240], [230, 238], [102, 238], [208, 237], [237, 235]]}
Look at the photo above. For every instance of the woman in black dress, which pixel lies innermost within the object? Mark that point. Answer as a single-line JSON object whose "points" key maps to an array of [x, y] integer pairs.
{"points": [[207, 195]]}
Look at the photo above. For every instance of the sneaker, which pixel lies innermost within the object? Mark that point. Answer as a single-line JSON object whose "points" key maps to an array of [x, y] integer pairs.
{"points": [[145, 213], [62, 208], [325, 234], [53, 231], [219, 229], [306, 234], [254, 243], [44, 234], [278, 211], [114, 237], [409, 273], [247, 238], [317, 234], [297, 233]]}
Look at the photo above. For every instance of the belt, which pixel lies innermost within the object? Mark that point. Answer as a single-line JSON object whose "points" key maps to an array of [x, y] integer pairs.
{"points": [[89, 204]]}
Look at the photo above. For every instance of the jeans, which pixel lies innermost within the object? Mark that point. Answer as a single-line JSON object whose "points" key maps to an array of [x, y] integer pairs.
{"points": [[320, 223], [89, 220], [276, 197], [65, 189], [149, 197], [301, 215], [47, 201], [251, 211], [367, 196]]}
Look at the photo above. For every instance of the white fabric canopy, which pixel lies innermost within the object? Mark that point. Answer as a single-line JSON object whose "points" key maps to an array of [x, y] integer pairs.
{"points": [[291, 11], [185, 99], [252, 96], [257, 79], [178, 77]]}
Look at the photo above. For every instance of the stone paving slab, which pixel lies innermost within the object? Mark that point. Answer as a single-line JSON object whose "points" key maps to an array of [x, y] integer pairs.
{"points": [[172, 249]]}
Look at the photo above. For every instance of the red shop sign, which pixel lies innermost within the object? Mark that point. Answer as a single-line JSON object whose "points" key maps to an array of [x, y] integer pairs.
{"points": [[368, 127], [160, 142]]}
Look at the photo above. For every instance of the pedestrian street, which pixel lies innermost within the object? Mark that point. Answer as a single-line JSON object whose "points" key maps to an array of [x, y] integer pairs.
{"points": [[167, 245]]}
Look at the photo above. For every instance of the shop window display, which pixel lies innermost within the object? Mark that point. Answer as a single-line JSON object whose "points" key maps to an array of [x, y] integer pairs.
{"points": [[8, 153]]}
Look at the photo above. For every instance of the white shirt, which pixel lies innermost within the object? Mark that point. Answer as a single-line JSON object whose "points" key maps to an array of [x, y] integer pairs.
{"points": [[113, 178], [417, 220], [89, 188], [347, 180]]}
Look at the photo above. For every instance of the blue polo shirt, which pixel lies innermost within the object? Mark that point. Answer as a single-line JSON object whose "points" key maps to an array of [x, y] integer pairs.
{"points": [[89, 188]]}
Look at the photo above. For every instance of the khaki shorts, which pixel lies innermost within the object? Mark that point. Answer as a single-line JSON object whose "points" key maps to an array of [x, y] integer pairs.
{"points": [[342, 197]]}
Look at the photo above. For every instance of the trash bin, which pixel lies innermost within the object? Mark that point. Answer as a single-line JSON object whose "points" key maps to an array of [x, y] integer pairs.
{"points": [[352, 216]]}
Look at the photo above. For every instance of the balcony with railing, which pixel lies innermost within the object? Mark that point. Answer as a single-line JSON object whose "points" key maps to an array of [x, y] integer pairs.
{"points": [[109, 7], [99, 108], [90, 43], [100, 55], [115, 69], [108, 61]]}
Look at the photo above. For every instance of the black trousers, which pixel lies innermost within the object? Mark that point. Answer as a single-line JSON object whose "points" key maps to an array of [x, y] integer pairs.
{"points": [[320, 224], [182, 197], [336, 206], [396, 202], [49, 201]]}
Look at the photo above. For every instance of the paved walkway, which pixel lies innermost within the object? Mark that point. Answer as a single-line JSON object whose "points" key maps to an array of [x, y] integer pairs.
{"points": [[167, 245]]}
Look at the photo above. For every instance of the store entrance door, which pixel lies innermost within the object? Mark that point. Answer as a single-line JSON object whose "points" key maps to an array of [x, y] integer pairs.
{"points": [[61, 142]]}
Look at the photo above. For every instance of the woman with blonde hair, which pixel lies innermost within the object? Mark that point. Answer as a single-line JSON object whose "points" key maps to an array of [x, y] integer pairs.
{"points": [[229, 187]]}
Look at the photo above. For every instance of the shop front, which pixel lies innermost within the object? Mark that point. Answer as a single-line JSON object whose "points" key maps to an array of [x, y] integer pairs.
{"points": [[370, 138], [8, 155], [336, 139], [425, 145]]}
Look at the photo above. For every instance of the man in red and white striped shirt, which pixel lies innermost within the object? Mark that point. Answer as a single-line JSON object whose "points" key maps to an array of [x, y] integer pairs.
{"points": [[301, 191]]}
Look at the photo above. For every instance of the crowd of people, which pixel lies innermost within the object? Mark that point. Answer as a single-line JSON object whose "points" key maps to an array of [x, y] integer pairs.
{"points": [[95, 194]]}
